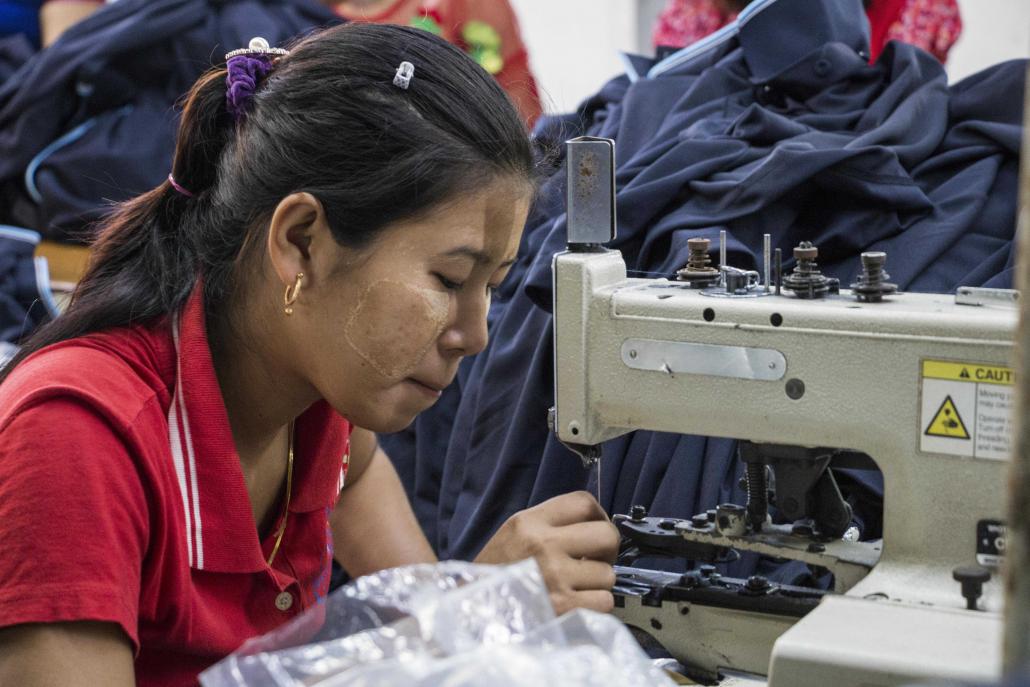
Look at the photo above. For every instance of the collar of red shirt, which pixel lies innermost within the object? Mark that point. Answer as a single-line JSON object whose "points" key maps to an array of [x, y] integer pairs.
{"points": [[221, 532]]}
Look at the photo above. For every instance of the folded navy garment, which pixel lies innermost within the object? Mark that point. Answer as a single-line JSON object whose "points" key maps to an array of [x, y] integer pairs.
{"points": [[91, 120], [26, 300], [776, 124]]}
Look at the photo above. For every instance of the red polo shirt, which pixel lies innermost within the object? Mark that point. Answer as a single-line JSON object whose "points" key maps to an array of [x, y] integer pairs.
{"points": [[122, 500]]}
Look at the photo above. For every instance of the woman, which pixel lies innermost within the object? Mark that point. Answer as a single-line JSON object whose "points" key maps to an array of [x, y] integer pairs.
{"points": [[319, 260]]}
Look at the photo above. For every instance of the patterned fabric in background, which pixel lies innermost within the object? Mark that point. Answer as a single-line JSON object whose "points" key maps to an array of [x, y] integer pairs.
{"points": [[487, 30], [933, 25]]}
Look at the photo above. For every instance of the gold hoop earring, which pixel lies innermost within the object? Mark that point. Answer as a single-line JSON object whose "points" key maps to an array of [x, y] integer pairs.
{"points": [[292, 293]]}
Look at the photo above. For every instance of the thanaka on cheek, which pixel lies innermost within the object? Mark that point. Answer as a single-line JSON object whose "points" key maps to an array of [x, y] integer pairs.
{"points": [[395, 324]]}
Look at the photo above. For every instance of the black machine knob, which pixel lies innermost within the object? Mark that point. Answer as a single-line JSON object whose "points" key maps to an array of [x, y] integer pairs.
{"points": [[972, 578]]}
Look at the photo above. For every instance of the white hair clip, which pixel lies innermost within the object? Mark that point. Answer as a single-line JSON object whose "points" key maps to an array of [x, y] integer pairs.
{"points": [[257, 46], [405, 72]]}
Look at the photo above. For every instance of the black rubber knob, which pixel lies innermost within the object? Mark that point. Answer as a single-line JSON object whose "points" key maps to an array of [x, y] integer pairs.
{"points": [[972, 578]]}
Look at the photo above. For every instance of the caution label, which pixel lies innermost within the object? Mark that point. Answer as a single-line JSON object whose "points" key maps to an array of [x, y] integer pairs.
{"points": [[967, 409]]}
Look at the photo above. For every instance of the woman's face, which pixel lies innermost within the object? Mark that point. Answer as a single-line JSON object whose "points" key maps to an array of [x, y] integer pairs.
{"points": [[387, 329]]}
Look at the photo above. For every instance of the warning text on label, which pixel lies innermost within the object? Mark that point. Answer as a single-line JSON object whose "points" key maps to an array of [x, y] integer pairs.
{"points": [[967, 372]]}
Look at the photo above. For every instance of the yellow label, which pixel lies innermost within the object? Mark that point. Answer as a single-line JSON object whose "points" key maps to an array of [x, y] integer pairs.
{"points": [[947, 422], [968, 372]]}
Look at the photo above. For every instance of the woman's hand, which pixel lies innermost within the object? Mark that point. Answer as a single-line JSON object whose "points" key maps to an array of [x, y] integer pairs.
{"points": [[572, 541]]}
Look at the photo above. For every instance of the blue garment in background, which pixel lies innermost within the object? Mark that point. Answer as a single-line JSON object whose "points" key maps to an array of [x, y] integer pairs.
{"points": [[20, 17], [91, 120], [778, 125], [26, 301]]}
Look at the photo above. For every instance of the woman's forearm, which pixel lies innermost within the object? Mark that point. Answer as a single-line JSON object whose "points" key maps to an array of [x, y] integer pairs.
{"points": [[373, 524]]}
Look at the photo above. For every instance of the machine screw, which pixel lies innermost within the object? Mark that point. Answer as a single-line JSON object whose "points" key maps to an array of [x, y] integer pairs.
{"points": [[710, 514], [806, 281], [972, 578], [730, 519], [637, 513], [707, 570], [872, 284], [700, 520], [689, 580], [698, 272], [667, 524], [757, 583]]}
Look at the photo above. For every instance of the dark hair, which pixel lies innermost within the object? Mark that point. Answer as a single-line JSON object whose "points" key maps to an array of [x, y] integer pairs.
{"points": [[327, 120]]}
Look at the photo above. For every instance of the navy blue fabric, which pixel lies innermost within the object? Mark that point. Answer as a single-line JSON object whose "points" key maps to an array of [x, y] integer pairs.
{"points": [[759, 133], [20, 18], [106, 90], [25, 298], [15, 50]]}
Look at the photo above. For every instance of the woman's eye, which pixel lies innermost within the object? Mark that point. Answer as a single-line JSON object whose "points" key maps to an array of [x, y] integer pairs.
{"points": [[447, 283]]}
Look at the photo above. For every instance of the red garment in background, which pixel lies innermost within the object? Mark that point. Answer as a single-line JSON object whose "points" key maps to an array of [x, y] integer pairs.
{"points": [[933, 25], [452, 18]]}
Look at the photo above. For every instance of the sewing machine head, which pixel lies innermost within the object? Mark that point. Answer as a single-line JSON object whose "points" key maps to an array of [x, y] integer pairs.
{"points": [[811, 378]]}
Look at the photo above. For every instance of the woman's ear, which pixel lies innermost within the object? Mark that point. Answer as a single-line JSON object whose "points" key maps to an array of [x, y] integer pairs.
{"points": [[298, 226]]}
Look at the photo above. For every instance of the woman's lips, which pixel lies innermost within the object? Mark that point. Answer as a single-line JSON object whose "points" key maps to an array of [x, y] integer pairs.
{"points": [[428, 390]]}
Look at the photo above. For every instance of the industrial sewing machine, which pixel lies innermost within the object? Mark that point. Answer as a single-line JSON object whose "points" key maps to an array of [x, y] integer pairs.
{"points": [[810, 378]]}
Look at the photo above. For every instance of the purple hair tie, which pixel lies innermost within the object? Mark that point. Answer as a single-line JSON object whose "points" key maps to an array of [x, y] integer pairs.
{"points": [[246, 67]]}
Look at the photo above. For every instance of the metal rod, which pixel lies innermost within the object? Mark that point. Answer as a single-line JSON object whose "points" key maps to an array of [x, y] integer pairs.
{"points": [[722, 248], [779, 269], [1016, 650], [767, 255]]}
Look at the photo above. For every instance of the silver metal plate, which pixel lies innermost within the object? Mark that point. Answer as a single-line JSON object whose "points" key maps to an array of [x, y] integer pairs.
{"points": [[591, 190], [975, 295], [677, 357]]}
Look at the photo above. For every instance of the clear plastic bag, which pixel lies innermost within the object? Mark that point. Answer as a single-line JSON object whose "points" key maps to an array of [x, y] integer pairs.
{"points": [[454, 624]]}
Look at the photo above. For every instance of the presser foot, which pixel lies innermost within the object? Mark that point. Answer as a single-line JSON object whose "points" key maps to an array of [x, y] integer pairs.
{"points": [[701, 539]]}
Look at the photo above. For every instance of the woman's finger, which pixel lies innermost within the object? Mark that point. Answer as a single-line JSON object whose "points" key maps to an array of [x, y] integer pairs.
{"points": [[597, 540], [567, 509], [587, 575], [598, 600]]}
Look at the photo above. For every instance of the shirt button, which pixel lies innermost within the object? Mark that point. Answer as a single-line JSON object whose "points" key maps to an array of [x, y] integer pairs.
{"points": [[284, 601]]}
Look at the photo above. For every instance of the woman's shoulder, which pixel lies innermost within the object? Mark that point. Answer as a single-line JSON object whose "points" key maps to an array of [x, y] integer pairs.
{"points": [[116, 372]]}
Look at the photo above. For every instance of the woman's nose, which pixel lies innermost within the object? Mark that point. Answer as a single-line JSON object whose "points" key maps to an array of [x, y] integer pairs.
{"points": [[467, 333]]}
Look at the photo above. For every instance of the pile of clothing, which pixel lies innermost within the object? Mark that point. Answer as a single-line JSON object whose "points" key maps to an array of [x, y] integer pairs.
{"points": [[91, 120], [775, 124]]}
